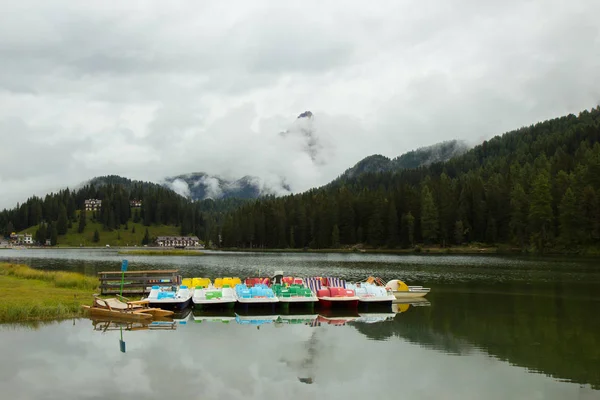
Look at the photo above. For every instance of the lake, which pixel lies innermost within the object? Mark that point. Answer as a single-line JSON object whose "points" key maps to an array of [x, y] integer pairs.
{"points": [[493, 327]]}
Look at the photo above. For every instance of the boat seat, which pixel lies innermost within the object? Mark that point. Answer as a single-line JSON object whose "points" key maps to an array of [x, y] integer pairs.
{"points": [[117, 304]]}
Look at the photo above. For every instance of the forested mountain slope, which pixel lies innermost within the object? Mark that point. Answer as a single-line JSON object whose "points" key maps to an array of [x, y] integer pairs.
{"points": [[535, 187], [423, 156]]}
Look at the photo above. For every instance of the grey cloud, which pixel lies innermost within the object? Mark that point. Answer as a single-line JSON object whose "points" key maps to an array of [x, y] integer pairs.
{"points": [[147, 91]]}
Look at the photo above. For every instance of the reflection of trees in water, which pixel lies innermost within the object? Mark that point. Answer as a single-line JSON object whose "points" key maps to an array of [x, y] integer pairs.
{"points": [[551, 328]]}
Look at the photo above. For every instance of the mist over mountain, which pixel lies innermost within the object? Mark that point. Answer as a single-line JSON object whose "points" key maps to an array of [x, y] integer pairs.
{"points": [[304, 128], [423, 156], [201, 186]]}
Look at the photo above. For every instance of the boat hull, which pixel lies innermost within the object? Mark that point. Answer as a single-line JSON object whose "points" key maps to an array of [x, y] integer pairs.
{"points": [[213, 303], [178, 305], [338, 302], [403, 291], [116, 314], [376, 304], [258, 301], [298, 300], [409, 294]]}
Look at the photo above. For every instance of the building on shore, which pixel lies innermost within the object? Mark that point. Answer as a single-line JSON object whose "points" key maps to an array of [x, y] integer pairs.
{"points": [[22, 238], [92, 204], [179, 241]]}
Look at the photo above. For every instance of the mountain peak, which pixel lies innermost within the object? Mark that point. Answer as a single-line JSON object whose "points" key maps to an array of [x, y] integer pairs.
{"points": [[306, 114]]}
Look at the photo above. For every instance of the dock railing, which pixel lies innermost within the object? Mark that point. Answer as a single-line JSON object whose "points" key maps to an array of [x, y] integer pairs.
{"points": [[137, 282]]}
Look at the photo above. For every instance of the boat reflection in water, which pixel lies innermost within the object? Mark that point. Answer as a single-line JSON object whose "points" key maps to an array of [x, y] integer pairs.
{"points": [[206, 315], [106, 324], [257, 317], [182, 317]]}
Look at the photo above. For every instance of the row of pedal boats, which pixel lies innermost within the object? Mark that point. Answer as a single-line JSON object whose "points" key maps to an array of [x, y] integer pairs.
{"points": [[282, 291]]}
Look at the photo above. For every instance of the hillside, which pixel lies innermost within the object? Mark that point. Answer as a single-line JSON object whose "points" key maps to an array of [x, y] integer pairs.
{"points": [[129, 234], [536, 188]]}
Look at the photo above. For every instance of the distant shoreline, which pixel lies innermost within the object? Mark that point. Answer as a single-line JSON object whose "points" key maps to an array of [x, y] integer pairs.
{"points": [[421, 251], [417, 250]]}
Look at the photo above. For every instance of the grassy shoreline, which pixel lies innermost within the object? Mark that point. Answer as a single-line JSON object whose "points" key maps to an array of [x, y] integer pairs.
{"points": [[27, 294]]}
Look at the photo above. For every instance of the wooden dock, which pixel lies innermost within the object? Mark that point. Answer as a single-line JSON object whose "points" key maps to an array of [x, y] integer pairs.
{"points": [[137, 282]]}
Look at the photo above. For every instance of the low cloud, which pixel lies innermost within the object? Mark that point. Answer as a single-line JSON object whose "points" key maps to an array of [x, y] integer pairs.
{"points": [[180, 187]]}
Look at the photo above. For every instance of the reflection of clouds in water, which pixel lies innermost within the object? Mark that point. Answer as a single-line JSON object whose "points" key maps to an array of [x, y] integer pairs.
{"points": [[230, 361]]}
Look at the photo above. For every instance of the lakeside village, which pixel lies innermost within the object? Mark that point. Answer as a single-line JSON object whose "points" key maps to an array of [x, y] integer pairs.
{"points": [[27, 239]]}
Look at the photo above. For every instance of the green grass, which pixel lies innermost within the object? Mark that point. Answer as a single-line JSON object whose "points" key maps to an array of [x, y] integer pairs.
{"points": [[117, 237], [162, 252], [27, 294]]}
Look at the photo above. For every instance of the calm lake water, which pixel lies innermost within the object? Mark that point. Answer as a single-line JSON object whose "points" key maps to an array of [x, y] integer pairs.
{"points": [[491, 328]]}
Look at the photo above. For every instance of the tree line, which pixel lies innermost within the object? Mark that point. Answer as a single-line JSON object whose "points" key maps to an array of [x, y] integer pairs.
{"points": [[537, 188]]}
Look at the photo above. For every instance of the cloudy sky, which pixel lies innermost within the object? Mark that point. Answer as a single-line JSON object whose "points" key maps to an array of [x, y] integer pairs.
{"points": [[153, 89]]}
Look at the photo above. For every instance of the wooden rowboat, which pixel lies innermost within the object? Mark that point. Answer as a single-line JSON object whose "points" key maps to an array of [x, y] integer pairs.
{"points": [[130, 310], [118, 314]]}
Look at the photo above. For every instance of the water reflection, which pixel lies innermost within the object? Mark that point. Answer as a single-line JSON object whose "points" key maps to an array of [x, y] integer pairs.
{"points": [[331, 317], [293, 355]]}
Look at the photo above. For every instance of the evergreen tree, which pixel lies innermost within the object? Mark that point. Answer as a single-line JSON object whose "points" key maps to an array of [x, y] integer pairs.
{"points": [[9, 229], [96, 237], [146, 238], [393, 237], [519, 206], [82, 221], [61, 224], [359, 234], [491, 233], [53, 234], [375, 231], [346, 217], [590, 209], [292, 238], [112, 221], [447, 208], [40, 234], [540, 212], [335, 237], [408, 229], [459, 232], [569, 219], [429, 216]]}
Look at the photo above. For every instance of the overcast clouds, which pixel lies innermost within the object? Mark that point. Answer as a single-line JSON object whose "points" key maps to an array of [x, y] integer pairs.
{"points": [[151, 89]]}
